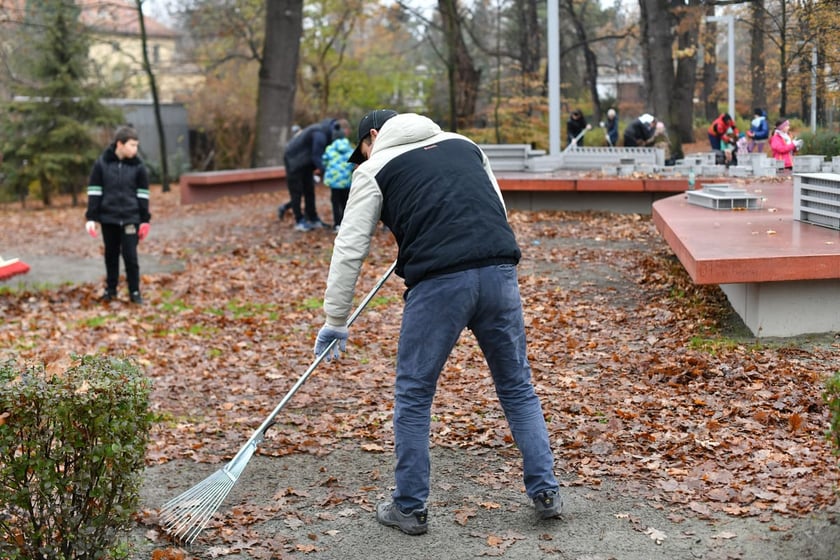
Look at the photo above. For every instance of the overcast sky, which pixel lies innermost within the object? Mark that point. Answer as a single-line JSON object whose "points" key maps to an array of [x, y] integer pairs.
{"points": [[159, 9]]}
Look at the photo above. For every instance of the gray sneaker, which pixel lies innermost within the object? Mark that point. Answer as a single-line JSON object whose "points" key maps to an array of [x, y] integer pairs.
{"points": [[548, 504], [318, 224], [412, 523], [303, 225]]}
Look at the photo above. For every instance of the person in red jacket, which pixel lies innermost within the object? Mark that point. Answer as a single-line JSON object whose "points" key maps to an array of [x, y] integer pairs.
{"points": [[723, 129], [719, 130]]}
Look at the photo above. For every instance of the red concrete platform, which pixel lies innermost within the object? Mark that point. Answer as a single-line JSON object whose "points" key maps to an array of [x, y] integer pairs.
{"points": [[563, 181], [748, 246]]}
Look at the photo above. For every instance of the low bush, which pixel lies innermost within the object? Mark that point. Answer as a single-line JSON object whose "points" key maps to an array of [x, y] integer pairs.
{"points": [[72, 447], [823, 142]]}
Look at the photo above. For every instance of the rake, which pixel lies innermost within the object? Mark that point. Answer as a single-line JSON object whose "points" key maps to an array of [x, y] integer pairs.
{"points": [[184, 516], [574, 141]]}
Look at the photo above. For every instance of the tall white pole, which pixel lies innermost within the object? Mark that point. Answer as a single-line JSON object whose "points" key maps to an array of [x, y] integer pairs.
{"points": [[730, 53], [731, 60], [814, 88], [554, 116]]}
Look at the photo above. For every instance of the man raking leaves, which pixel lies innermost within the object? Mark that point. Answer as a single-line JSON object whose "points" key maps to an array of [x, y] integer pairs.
{"points": [[457, 254]]}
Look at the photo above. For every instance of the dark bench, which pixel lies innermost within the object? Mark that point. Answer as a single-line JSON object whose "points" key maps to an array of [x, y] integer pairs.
{"points": [[210, 185]]}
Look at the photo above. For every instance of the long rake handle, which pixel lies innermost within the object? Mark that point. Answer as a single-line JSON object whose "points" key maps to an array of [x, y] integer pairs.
{"points": [[185, 516], [258, 434]]}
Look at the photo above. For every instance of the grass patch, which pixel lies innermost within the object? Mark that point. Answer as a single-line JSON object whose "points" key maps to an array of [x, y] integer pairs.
{"points": [[95, 322], [311, 303], [174, 306], [720, 344]]}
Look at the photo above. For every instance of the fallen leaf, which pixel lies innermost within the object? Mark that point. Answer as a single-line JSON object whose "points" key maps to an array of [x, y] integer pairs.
{"points": [[462, 515], [656, 535]]}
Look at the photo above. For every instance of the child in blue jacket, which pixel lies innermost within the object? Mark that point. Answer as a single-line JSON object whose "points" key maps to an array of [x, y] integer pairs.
{"points": [[338, 172], [759, 131]]}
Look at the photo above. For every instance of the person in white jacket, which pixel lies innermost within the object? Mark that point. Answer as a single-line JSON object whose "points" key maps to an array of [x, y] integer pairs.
{"points": [[457, 253]]}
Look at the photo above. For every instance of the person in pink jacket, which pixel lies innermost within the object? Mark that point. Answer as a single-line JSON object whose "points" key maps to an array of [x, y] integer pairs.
{"points": [[782, 145]]}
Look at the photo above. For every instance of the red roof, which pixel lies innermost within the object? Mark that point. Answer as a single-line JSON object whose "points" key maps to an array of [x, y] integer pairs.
{"points": [[108, 16], [120, 16]]}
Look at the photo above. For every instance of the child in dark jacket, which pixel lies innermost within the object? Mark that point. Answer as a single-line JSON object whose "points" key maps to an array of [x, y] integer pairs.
{"points": [[118, 198]]}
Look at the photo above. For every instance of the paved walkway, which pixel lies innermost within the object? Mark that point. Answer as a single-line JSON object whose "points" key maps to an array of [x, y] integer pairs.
{"points": [[54, 270]]}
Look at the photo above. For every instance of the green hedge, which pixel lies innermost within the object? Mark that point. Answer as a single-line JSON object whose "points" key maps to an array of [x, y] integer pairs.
{"points": [[72, 447], [823, 142]]}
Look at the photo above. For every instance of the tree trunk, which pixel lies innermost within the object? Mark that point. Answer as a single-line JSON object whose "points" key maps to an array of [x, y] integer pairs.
{"points": [[277, 86], [463, 76], [589, 58], [758, 67], [164, 163], [681, 117], [710, 97], [783, 59], [529, 42], [671, 92], [657, 43]]}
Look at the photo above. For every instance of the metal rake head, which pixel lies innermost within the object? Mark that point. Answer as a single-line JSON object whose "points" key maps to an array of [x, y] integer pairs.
{"points": [[186, 515]]}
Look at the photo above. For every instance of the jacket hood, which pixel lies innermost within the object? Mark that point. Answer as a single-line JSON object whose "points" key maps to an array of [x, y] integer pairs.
{"points": [[405, 128]]}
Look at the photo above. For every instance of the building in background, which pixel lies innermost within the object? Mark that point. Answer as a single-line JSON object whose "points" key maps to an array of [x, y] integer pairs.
{"points": [[116, 47], [117, 51]]}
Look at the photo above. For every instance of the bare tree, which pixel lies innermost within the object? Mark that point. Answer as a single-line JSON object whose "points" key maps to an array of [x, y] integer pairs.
{"points": [[528, 35], [464, 77], [336, 25], [577, 18], [147, 67], [710, 94], [278, 69], [671, 86]]}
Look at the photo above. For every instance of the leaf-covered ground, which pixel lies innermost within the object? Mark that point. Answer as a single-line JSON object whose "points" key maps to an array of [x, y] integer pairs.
{"points": [[644, 377]]}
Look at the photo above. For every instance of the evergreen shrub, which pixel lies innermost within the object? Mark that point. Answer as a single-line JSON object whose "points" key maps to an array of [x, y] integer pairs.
{"points": [[72, 447], [823, 142]]}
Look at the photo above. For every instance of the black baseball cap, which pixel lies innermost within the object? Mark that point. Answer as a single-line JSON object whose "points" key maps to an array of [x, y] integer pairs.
{"points": [[372, 121]]}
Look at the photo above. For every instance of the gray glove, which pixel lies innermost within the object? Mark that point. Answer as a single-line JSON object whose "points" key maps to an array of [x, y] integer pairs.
{"points": [[326, 335]]}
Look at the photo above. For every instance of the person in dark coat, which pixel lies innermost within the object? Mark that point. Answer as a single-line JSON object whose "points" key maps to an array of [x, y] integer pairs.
{"points": [[574, 126], [303, 160], [640, 132], [118, 198]]}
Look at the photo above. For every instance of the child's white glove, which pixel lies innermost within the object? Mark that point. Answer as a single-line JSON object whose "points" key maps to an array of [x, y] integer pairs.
{"points": [[90, 226]]}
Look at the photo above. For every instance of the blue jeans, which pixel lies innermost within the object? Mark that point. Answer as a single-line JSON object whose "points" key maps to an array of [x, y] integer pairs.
{"points": [[487, 301]]}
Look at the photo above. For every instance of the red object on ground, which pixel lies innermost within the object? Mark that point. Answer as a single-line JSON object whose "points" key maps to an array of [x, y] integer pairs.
{"points": [[12, 267]]}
